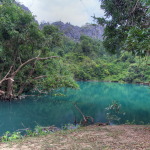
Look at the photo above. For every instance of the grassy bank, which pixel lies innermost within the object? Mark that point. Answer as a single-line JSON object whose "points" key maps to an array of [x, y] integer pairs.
{"points": [[121, 137]]}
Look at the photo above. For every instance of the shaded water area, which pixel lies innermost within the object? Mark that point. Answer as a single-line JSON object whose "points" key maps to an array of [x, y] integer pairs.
{"points": [[92, 98]]}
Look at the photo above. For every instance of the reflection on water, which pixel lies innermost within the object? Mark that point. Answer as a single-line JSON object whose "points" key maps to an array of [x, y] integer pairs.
{"points": [[92, 99]]}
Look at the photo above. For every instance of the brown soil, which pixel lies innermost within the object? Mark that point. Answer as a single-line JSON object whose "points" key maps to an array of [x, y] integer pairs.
{"points": [[123, 137]]}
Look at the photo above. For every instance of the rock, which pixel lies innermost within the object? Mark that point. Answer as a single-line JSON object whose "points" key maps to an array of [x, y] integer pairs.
{"points": [[74, 32]]}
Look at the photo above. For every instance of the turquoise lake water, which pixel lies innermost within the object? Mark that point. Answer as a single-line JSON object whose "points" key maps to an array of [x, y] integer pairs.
{"points": [[92, 98]]}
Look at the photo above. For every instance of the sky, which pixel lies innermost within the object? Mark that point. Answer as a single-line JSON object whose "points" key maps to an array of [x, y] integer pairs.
{"points": [[77, 12]]}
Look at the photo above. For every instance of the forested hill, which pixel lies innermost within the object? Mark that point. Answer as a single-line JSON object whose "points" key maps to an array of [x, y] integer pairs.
{"points": [[75, 32]]}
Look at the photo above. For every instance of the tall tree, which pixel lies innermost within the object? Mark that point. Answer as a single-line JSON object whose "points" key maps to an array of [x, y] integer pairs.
{"points": [[23, 43], [126, 23]]}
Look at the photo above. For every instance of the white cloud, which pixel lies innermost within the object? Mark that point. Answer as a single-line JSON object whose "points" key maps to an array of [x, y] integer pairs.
{"points": [[77, 12]]}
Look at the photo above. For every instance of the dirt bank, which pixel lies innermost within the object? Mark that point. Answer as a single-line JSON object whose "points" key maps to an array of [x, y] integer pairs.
{"points": [[122, 137]]}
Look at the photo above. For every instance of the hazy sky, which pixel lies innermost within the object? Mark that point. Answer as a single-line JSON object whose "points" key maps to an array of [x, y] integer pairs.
{"points": [[77, 12]]}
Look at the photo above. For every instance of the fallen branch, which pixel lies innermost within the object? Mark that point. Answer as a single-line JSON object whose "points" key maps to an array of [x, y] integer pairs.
{"points": [[23, 129], [85, 118]]}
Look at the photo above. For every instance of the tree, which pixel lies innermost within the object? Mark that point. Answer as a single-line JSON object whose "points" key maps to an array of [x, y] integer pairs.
{"points": [[52, 33], [90, 47], [23, 56], [123, 21]]}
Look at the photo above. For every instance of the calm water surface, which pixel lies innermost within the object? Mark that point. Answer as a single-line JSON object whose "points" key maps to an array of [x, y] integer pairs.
{"points": [[92, 98]]}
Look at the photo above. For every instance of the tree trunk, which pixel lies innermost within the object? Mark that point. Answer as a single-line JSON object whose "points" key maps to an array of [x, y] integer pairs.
{"points": [[2, 93], [9, 92], [9, 78]]}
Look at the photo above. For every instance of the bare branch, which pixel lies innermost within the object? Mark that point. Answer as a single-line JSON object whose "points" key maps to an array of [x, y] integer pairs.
{"points": [[8, 72], [89, 117], [84, 118], [30, 74], [2, 92], [22, 65], [23, 129], [5, 79], [47, 58], [30, 60], [135, 7], [40, 91], [40, 77]]}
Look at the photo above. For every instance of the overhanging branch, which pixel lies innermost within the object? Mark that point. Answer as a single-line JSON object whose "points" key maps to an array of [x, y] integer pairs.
{"points": [[5, 78], [40, 77], [30, 60]]}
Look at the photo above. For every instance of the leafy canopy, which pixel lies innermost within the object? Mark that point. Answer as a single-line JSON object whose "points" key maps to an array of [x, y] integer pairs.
{"points": [[127, 26], [26, 52]]}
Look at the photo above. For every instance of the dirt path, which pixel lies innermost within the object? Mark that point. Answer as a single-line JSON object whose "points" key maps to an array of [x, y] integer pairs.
{"points": [[123, 137]]}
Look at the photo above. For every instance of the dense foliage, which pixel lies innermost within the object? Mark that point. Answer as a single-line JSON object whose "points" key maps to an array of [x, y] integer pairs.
{"points": [[127, 26], [26, 60], [34, 59], [99, 65]]}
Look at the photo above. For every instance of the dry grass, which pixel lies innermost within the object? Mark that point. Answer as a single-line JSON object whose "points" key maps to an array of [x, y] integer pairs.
{"points": [[123, 137]]}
